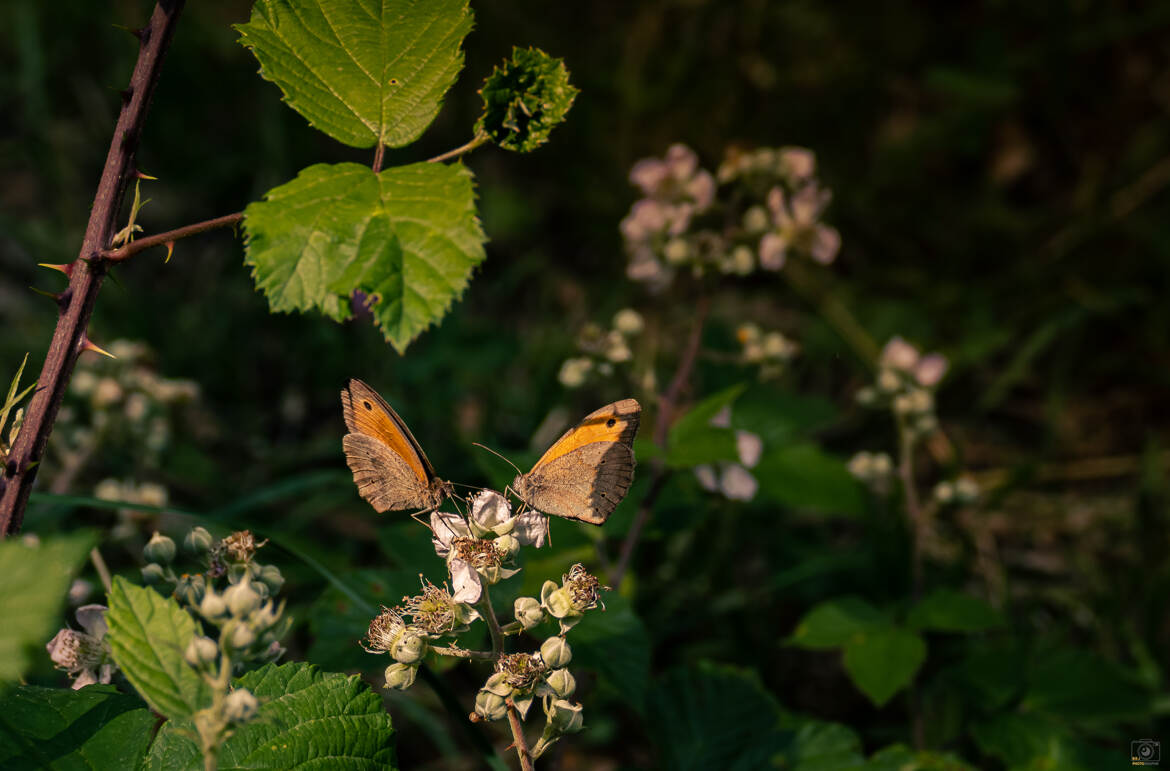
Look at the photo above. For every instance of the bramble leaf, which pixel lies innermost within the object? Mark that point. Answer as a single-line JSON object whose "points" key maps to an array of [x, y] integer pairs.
{"points": [[525, 99], [308, 719], [882, 660], [96, 727], [362, 71], [148, 635], [35, 577], [406, 238]]}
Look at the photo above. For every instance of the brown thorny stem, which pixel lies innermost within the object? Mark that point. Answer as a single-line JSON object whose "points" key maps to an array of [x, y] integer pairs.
{"points": [[76, 302], [519, 742], [667, 404]]}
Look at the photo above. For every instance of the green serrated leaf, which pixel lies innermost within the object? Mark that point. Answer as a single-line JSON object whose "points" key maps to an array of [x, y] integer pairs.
{"points": [[833, 623], [615, 644], [361, 71], [148, 635], [308, 719], [946, 610], [709, 716], [407, 238], [813, 745], [95, 727], [525, 99], [882, 660], [34, 576]]}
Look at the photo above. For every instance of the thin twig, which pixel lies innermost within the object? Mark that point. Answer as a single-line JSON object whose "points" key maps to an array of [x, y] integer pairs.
{"points": [[475, 142], [134, 247], [77, 301], [667, 405], [518, 740]]}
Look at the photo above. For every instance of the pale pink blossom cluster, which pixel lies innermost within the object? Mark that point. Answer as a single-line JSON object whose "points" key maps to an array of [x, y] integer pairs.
{"points": [[772, 208]]}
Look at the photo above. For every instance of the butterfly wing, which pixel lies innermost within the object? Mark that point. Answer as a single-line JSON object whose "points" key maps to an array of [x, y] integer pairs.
{"points": [[389, 467], [588, 471]]}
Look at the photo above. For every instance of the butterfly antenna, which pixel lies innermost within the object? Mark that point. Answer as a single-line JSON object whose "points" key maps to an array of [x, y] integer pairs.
{"points": [[493, 452]]}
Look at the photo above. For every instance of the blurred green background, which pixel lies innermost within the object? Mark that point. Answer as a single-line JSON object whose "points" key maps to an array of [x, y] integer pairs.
{"points": [[999, 173]]}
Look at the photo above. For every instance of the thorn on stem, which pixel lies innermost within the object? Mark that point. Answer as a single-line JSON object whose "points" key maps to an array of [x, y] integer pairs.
{"points": [[86, 344], [66, 268], [170, 251], [142, 175]]}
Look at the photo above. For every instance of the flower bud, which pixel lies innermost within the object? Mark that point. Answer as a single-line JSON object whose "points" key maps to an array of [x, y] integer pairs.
{"points": [[159, 549], [240, 706], [241, 636], [153, 574], [508, 545], [409, 649], [238, 572], [270, 576], [565, 717], [490, 706], [558, 602], [213, 606], [528, 611], [200, 651], [888, 381], [190, 589], [562, 682], [198, 541], [628, 321], [555, 652], [400, 676], [241, 599]]}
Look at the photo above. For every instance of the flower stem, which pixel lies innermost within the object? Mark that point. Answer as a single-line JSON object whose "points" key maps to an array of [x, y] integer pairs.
{"points": [[518, 740], [914, 511], [489, 615]]}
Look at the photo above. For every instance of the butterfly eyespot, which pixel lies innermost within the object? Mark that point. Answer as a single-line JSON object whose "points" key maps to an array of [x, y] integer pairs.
{"points": [[367, 405], [610, 423]]}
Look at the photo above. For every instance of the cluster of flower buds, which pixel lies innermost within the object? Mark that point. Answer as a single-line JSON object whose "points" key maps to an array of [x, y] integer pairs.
{"points": [[733, 480], [874, 469], [905, 383], [603, 348], [233, 593], [770, 351], [962, 492], [759, 208]]}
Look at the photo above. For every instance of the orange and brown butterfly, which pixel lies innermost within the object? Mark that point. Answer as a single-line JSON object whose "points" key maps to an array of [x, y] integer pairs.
{"points": [[587, 472], [389, 467]]}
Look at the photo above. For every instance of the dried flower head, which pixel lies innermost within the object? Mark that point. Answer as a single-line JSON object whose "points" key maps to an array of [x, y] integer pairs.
{"points": [[522, 671], [385, 631], [240, 546]]}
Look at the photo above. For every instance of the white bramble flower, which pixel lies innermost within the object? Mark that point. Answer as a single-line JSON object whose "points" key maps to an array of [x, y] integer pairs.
{"points": [[574, 371], [84, 655], [628, 321]]}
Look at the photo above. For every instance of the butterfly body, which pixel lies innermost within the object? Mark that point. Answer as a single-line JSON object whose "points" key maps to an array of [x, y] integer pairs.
{"points": [[587, 472], [389, 467]]}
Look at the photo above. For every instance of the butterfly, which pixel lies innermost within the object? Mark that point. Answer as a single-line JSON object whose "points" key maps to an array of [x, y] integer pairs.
{"points": [[389, 467], [587, 472]]}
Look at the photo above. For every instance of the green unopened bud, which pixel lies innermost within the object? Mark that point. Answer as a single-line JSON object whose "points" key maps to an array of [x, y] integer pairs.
{"points": [[409, 649], [561, 682], [241, 636], [555, 652], [198, 541], [491, 574], [213, 606], [400, 676], [261, 589], [497, 683], [159, 549], [508, 546], [490, 706], [190, 589], [240, 706], [528, 611], [270, 576], [153, 574], [558, 602], [564, 717], [201, 651], [238, 572], [241, 599]]}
